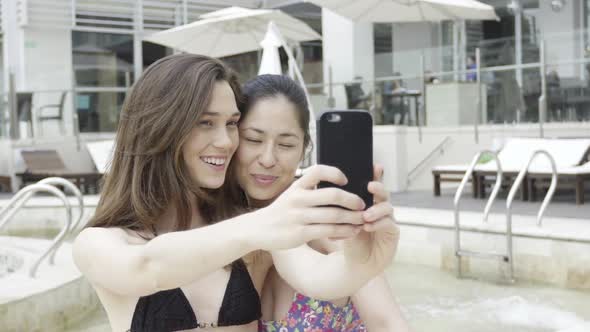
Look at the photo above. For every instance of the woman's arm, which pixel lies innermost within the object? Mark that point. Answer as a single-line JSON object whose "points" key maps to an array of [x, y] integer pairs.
{"points": [[114, 260], [378, 309]]}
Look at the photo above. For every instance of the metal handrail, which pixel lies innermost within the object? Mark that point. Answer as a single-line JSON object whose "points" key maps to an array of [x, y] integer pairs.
{"points": [[69, 185], [20, 199], [459, 192], [440, 147], [543, 97], [518, 181], [73, 227]]}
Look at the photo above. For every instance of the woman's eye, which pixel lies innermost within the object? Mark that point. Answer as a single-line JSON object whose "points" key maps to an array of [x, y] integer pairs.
{"points": [[206, 123], [287, 146], [233, 123], [252, 140]]}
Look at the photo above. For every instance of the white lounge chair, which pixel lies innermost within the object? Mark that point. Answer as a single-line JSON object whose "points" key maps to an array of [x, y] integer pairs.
{"points": [[515, 153], [101, 153]]}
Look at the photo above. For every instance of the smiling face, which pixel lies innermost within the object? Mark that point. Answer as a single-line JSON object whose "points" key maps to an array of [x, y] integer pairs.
{"points": [[271, 147], [212, 143]]}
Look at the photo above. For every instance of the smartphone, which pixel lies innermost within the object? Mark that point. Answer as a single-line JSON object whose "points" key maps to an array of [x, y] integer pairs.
{"points": [[345, 141]]}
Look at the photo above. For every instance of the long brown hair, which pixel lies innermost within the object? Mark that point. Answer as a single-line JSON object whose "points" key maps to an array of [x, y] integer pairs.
{"points": [[148, 175]]}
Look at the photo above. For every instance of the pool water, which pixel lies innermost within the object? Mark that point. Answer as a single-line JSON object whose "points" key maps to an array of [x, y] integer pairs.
{"points": [[435, 300]]}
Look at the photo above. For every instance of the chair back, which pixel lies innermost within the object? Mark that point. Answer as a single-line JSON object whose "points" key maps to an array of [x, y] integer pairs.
{"points": [[354, 94], [62, 100], [101, 153]]}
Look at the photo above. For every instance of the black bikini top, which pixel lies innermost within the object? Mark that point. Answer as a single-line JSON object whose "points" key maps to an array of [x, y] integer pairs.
{"points": [[170, 310]]}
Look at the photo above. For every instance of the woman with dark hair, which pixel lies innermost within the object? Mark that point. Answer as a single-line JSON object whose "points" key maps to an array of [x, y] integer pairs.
{"points": [[274, 136], [159, 251]]}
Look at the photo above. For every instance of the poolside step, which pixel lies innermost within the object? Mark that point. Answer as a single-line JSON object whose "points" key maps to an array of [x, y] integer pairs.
{"points": [[478, 254]]}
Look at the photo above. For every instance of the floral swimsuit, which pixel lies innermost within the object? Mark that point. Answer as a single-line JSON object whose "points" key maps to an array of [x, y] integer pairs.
{"points": [[310, 315]]}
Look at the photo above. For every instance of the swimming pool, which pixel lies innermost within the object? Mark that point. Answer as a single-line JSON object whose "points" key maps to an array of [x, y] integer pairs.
{"points": [[435, 300]]}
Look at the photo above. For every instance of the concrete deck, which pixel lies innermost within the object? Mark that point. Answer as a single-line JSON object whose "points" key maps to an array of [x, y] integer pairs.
{"points": [[562, 205]]}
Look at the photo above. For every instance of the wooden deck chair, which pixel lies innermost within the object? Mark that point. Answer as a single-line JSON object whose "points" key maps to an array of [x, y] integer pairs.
{"points": [[41, 164]]}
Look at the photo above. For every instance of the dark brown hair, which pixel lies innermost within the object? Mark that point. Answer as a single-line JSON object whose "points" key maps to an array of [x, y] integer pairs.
{"points": [[148, 174], [271, 86]]}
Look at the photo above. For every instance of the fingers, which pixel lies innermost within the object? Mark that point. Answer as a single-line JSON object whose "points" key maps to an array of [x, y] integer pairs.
{"points": [[378, 211], [380, 194], [385, 224], [378, 172], [332, 196], [321, 231], [314, 174], [332, 215]]}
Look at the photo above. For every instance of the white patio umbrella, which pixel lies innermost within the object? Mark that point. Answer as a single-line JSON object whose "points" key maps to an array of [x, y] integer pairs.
{"points": [[271, 61], [231, 31], [387, 11]]}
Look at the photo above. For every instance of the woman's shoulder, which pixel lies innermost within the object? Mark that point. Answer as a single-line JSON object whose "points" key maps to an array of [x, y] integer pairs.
{"points": [[93, 234], [94, 240]]}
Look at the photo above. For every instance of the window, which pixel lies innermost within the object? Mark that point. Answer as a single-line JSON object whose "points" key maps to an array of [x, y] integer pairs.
{"points": [[102, 59], [103, 69]]}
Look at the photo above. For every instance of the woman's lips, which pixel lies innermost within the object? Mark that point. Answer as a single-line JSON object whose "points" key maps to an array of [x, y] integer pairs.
{"points": [[264, 180]]}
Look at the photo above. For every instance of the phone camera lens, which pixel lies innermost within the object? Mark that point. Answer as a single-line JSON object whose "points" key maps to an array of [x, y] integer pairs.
{"points": [[334, 118]]}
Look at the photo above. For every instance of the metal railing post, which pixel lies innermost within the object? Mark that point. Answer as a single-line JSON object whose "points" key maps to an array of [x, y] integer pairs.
{"points": [[543, 97], [14, 129], [422, 106], [517, 183], [331, 100], [20, 199], [67, 185], [479, 103], [75, 120], [457, 201]]}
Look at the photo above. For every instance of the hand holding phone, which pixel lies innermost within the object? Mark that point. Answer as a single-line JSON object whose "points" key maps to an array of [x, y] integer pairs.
{"points": [[345, 141]]}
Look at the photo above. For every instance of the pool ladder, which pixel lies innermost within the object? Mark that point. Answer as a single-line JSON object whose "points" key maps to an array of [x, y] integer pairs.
{"points": [[47, 185], [508, 256]]}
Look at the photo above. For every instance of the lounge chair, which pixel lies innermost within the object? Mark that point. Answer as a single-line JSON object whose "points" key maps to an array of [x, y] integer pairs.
{"points": [[515, 153], [512, 156], [101, 153], [41, 164], [5, 185], [567, 154], [568, 177]]}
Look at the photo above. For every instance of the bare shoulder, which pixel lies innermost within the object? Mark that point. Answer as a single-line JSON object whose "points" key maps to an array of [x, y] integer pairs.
{"points": [[92, 236], [97, 241]]}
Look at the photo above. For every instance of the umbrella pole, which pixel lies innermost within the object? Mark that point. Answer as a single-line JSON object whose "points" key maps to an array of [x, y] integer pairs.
{"points": [[296, 70], [331, 101]]}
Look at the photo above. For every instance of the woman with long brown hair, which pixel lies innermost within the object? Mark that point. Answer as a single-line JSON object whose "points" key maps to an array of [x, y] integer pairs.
{"points": [[160, 251]]}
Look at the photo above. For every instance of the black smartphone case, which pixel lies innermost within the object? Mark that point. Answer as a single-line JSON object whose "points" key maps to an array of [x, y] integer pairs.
{"points": [[348, 145]]}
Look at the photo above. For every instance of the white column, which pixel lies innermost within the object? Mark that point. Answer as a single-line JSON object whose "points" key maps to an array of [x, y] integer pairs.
{"points": [[348, 49], [137, 39], [13, 45]]}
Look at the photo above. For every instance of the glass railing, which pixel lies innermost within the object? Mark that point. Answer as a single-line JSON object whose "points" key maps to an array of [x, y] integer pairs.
{"points": [[405, 92], [4, 116], [55, 113]]}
